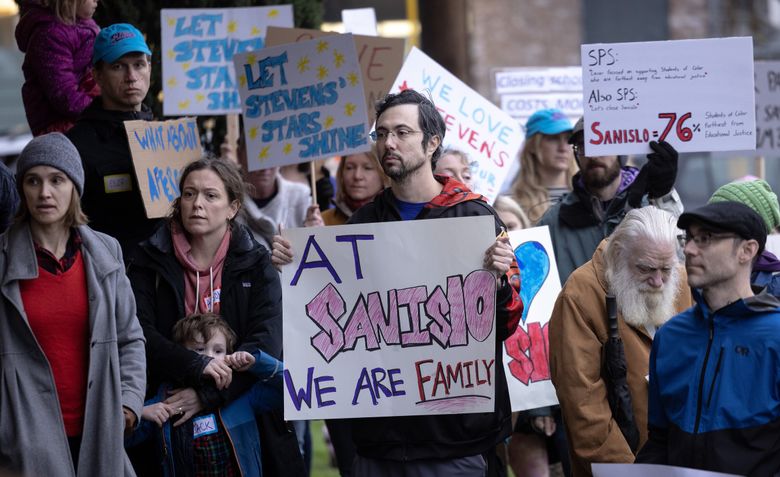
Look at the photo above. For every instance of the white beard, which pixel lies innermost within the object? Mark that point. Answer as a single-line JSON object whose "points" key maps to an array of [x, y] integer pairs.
{"points": [[639, 304]]}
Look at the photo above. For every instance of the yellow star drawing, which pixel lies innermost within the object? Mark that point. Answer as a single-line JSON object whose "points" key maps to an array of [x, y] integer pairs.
{"points": [[263, 153], [251, 58], [232, 26], [255, 31], [171, 54], [322, 72], [273, 13], [200, 97], [253, 132], [328, 122], [353, 79], [349, 109], [303, 64], [185, 66], [172, 81], [170, 21], [322, 45], [338, 59], [242, 80], [184, 104], [287, 148]]}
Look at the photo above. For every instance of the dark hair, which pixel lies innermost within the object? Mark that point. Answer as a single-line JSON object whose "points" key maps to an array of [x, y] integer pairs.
{"points": [[227, 171], [203, 324], [431, 123]]}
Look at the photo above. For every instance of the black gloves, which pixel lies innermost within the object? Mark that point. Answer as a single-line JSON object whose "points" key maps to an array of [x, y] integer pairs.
{"points": [[657, 177]]}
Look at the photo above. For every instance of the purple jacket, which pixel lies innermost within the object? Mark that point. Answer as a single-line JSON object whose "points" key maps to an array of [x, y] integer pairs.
{"points": [[57, 67]]}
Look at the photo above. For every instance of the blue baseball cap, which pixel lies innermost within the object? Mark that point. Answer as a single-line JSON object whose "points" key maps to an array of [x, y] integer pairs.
{"points": [[117, 40], [547, 121]]}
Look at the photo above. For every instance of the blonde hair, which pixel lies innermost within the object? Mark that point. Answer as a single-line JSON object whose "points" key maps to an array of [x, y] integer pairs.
{"points": [[505, 203], [341, 189], [64, 10], [527, 189]]}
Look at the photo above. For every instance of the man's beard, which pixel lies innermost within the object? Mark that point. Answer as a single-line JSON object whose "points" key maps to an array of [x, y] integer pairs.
{"points": [[639, 304], [401, 173], [594, 178]]}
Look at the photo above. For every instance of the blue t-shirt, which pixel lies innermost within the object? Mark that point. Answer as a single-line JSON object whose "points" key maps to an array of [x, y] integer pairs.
{"points": [[409, 210]]}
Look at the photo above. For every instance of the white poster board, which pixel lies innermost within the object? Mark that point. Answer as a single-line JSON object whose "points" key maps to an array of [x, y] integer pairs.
{"points": [[387, 319], [197, 54], [526, 359], [773, 244], [302, 101], [767, 108], [696, 94], [650, 470], [488, 136], [360, 21], [523, 91]]}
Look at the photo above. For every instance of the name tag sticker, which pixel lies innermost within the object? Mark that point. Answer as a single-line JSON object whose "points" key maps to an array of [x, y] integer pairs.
{"points": [[204, 426], [118, 183]]}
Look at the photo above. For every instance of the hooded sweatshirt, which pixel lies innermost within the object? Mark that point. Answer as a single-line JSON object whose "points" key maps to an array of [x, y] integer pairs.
{"points": [[58, 83], [765, 273]]}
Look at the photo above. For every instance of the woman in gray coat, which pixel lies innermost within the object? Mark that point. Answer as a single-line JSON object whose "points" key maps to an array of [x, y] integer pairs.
{"points": [[72, 362]]}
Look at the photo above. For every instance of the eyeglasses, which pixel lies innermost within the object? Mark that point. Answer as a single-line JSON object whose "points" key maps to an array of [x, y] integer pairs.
{"points": [[704, 239], [402, 134]]}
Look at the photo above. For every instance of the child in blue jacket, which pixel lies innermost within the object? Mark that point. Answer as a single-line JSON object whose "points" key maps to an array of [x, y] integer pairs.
{"points": [[224, 440]]}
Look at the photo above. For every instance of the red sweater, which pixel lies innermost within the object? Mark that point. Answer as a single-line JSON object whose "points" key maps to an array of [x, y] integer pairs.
{"points": [[57, 309]]}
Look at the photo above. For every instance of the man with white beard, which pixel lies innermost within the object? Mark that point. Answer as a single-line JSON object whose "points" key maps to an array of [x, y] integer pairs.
{"points": [[640, 266]]}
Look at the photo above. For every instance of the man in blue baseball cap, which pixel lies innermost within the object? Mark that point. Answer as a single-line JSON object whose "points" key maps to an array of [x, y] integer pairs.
{"points": [[122, 68]]}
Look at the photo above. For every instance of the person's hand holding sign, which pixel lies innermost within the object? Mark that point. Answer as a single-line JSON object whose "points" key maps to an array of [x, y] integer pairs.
{"points": [[499, 256], [657, 177], [281, 251]]}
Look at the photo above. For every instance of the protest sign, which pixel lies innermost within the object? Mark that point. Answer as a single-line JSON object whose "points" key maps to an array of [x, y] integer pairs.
{"points": [[488, 136], [387, 319], [526, 359], [197, 54], [773, 244], [380, 58], [698, 95], [523, 91], [767, 107], [360, 21], [160, 150], [302, 101]]}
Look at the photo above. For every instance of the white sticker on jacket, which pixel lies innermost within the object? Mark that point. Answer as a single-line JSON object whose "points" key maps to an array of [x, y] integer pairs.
{"points": [[118, 183], [204, 426]]}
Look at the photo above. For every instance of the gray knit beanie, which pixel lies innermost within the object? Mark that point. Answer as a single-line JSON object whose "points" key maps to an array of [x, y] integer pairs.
{"points": [[53, 150]]}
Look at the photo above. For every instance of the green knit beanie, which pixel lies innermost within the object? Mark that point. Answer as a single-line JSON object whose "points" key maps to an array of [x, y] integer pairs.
{"points": [[757, 195]]}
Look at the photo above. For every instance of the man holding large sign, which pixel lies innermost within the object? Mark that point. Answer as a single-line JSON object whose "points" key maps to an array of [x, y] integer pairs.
{"points": [[603, 191], [409, 133]]}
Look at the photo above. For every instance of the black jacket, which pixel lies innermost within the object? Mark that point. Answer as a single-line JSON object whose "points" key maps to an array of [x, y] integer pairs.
{"points": [[444, 436], [250, 302], [111, 199]]}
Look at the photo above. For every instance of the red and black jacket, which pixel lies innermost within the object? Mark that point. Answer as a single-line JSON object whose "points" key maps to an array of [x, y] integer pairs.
{"points": [[452, 435]]}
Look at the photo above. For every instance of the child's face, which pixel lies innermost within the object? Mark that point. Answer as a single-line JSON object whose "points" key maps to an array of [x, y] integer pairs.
{"points": [[86, 8], [215, 348]]}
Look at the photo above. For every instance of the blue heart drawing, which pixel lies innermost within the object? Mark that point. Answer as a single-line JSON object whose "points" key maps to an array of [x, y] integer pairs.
{"points": [[534, 264]]}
